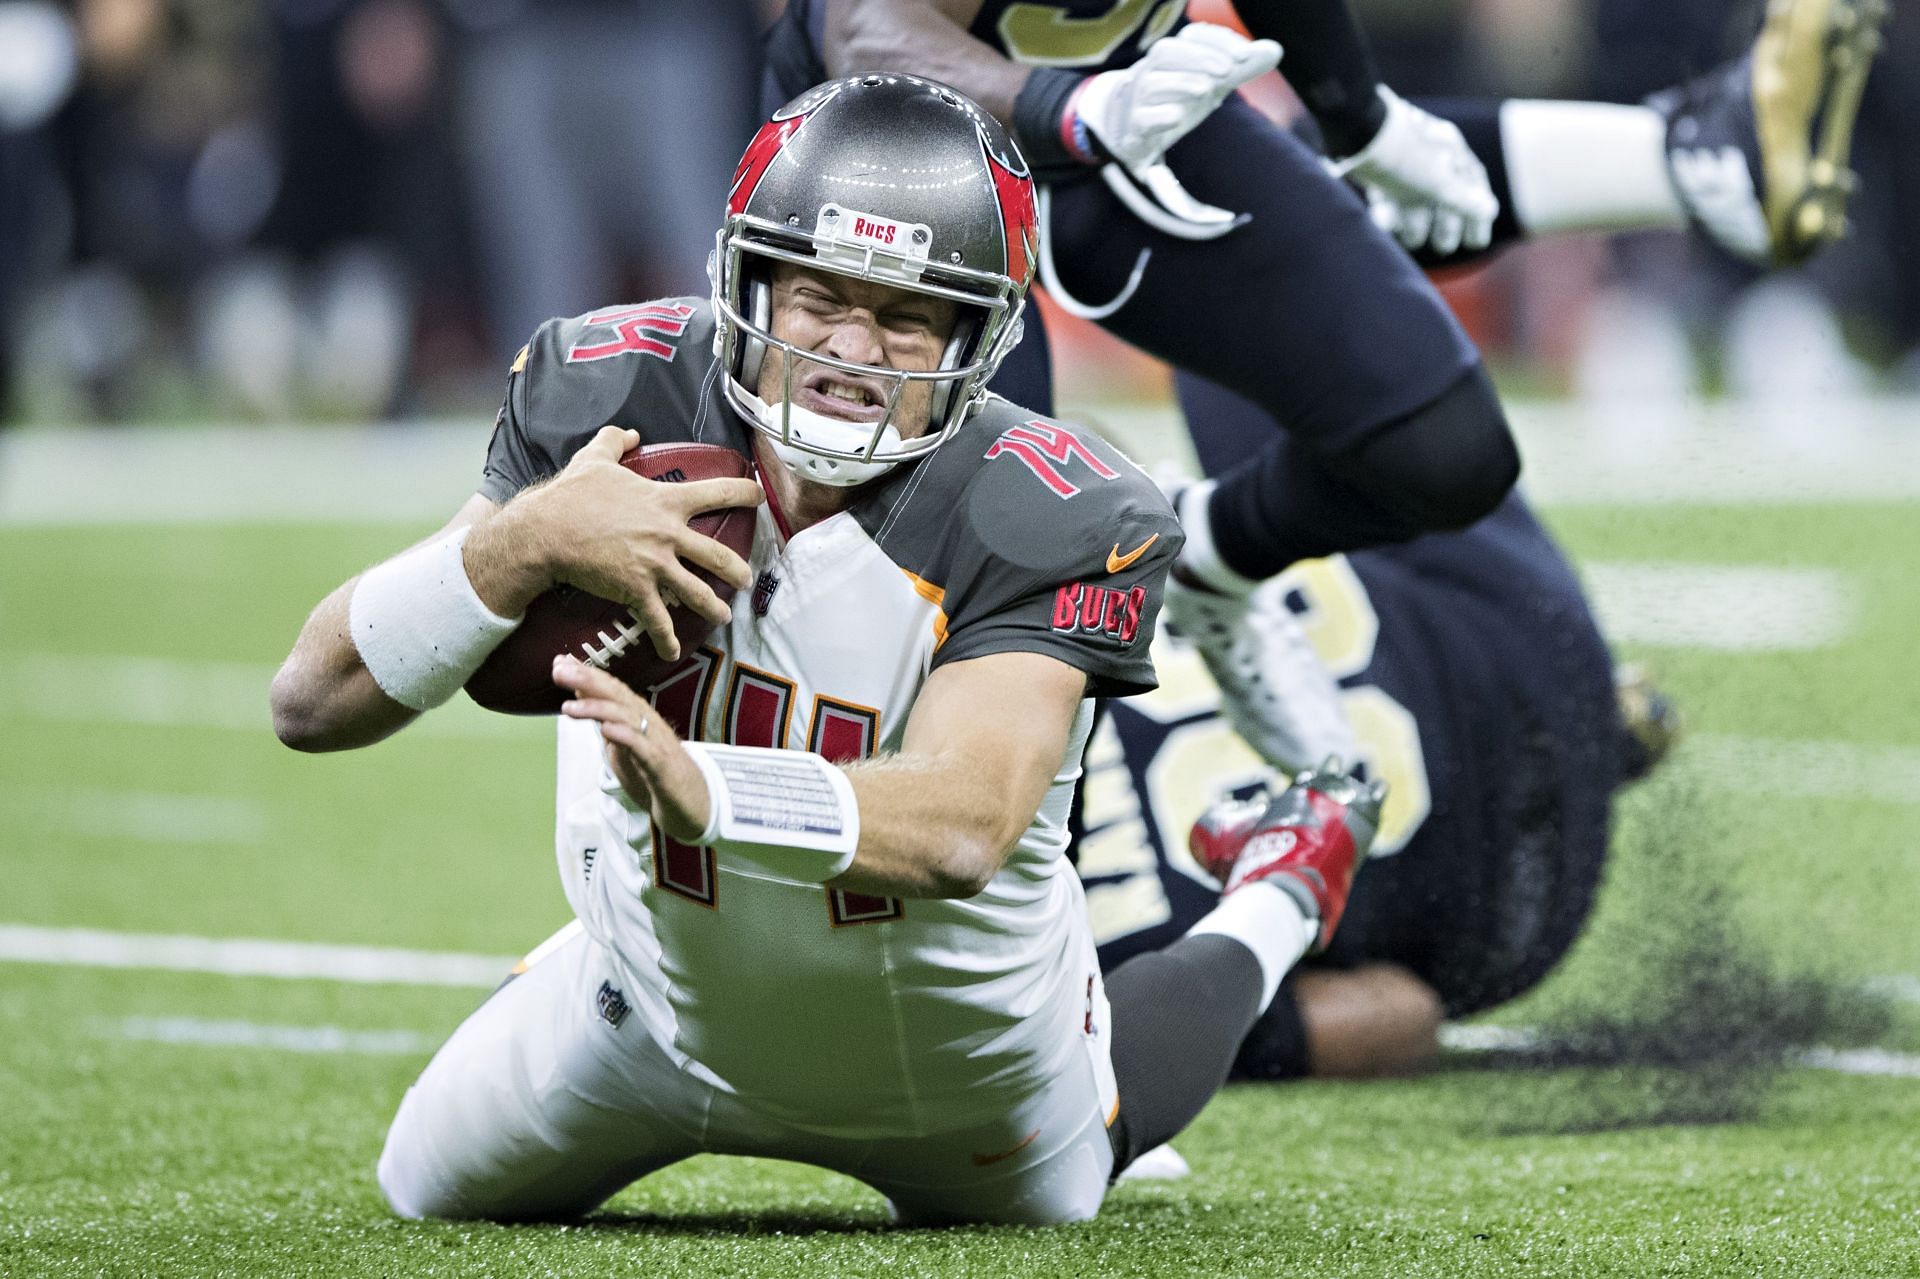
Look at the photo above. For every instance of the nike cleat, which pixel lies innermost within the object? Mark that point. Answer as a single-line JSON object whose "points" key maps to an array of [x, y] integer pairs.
{"points": [[1307, 841], [1758, 149], [1652, 722], [1273, 688]]}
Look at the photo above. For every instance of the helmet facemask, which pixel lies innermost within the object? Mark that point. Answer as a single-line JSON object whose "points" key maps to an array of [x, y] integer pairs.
{"points": [[835, 451]]}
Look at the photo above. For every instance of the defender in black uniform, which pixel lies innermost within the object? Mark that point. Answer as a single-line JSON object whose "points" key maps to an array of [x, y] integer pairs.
{"points": [[1481, 691], [1213, 238], [1203, 233], [1393, 428]]}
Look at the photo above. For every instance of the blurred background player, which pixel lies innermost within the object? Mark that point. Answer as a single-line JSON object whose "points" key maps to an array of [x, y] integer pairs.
{"points": [[36, 81], [341, 209], [589, 131], [151, 285]]}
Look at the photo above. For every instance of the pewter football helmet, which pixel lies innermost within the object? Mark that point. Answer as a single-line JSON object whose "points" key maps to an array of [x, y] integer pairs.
{"points": [[889, 178]]}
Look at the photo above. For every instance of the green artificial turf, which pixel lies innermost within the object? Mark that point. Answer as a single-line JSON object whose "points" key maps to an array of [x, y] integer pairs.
{"points": [[1732, 926]]}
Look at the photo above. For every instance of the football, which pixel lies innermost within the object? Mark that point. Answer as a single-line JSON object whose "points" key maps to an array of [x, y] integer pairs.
{"points": [[517, 677]]}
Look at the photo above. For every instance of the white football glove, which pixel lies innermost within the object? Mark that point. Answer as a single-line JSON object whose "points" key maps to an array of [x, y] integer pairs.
{"points": [[1139, 111], [1423, 184]]}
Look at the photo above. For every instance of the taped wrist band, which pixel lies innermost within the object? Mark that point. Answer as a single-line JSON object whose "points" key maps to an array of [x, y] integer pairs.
{"points": [[1053, 139], [419, 626], [789, 814]]}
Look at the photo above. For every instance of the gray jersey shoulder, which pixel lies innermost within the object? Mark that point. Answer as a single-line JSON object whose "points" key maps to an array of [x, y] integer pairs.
{"points": [[1038, 536], [1032, 494], [647, 366]]}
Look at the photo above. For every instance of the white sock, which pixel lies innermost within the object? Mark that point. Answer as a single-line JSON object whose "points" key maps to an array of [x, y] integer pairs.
{"points": [[1200, 557], [1588, 166], [1266, 920]]}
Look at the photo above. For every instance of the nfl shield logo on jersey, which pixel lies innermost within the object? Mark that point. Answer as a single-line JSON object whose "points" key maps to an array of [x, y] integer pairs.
{"points": [[612, 1004], [763, 588]]}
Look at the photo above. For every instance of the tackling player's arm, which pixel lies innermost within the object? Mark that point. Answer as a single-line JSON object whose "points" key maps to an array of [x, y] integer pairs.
{"points": [[1424, 183], [1066, 118], [1329, 64], [922, 37], [596, 525]]}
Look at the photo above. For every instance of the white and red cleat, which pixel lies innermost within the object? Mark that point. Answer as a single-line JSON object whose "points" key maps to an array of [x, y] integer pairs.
{"points": [[1307, 841]]}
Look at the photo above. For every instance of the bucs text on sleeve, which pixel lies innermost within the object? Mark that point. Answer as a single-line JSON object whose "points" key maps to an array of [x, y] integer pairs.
{"points": [[1040, 537]]}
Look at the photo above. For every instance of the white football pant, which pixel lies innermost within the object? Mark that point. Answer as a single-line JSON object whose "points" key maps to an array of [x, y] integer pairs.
{"points": [[540, 1106]]}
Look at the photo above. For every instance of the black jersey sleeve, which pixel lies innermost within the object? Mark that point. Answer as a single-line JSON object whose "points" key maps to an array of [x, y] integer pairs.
{"points": [[1076, 576]]}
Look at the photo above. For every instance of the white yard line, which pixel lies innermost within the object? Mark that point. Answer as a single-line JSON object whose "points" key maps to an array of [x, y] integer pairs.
{"points": [[1863, 1061], [162, 692], [1803, 769], [202, 1032], [420, 472], [250, 957], [61, 688], [1729, 452], [1482, 1038], [98, 948], [1733, 608], [151, 817], [1902, 988], [1656, 454], [252, 1034], [409, 472]]}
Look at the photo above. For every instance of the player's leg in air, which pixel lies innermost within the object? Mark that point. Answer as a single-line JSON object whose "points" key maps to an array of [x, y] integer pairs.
{"points": [[1753, 155], [1187, 224]]}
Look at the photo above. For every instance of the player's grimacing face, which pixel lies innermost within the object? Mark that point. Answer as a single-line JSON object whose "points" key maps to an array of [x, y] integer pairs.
{"points": [[862, 322]]}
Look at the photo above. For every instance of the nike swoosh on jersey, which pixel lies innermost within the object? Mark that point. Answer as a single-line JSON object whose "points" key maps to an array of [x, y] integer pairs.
{"points": [[1116, 561], [985, 1161]]}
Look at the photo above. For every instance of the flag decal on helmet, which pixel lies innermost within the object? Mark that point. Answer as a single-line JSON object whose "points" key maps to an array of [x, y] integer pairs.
{"points": [[1015, 190], [760, 153]]}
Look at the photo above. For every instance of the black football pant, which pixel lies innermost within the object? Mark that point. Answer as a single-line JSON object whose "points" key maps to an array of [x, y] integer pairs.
{"points": [[1484, 637]]}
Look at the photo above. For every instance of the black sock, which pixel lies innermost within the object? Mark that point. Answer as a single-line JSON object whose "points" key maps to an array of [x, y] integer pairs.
{"points": [[1276, 1047], [1179, 1015]]}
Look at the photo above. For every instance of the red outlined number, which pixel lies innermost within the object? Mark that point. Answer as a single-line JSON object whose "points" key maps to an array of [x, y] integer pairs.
{"points": [[1047, 450], [634, 332], [843, 732], [686, 869], [759, 708], [758, 712]]}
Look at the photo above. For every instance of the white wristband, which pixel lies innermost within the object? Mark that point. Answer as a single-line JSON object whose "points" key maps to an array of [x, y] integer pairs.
{"points": [[419, 626], [790, 814]]}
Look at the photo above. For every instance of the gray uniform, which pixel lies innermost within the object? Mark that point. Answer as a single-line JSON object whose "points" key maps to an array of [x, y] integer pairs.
{"points": [[953, 1053]]}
